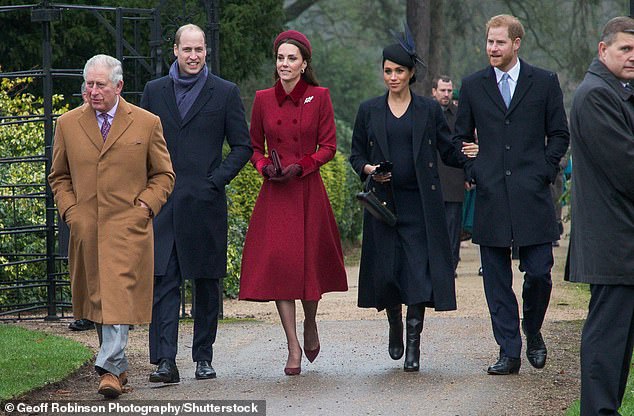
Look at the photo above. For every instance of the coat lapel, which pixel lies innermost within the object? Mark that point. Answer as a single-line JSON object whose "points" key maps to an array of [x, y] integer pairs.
{"points": [[203, 97], [524, 83], [170, 100], [490, 85], [122, 119], [378, 117], [88, 122], [419, 124]]}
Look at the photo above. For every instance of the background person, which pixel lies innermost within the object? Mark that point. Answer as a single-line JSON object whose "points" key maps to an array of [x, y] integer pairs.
{"points": [[110, 174], [602, 211], [409, 263], [199, 111], [452, 180], [514, 106], [292, 248]]}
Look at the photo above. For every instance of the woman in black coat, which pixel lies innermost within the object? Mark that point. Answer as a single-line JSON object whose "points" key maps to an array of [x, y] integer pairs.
{"points": [[409, 263]]}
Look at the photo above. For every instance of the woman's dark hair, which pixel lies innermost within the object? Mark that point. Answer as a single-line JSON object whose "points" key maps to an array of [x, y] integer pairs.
{"points": [[309, 73]]}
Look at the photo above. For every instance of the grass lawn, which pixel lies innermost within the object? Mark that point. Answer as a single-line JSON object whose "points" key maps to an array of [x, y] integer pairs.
{"points": [[32, 359], [627, 408]]}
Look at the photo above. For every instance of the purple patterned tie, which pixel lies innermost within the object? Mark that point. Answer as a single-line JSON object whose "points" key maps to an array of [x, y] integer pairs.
{"points": [[105, 126]]}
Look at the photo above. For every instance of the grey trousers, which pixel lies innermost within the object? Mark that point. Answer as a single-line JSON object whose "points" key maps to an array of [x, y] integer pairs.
{"points": [[111, 356]]}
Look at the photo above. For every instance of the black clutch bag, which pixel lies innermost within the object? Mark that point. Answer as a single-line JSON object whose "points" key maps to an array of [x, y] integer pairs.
{"points": [[374, 205]]}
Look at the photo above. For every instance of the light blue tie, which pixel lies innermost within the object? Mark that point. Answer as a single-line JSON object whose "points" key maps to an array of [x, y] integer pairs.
{"points": [[505, 89]]}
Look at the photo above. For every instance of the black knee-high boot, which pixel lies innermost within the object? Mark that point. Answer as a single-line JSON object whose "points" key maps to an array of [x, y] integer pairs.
{"points": [[395, 319], [414, 327]]}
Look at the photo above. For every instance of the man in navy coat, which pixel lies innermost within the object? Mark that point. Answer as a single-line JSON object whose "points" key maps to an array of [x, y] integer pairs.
{"points": [[198, 111], [518, 112], [602, 212]]}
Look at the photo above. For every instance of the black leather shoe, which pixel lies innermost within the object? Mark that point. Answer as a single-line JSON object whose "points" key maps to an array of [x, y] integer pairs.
{"points": [[81, 325], [505, 365], [166, 372], [204, 370], [536, 350], [395, 345]]}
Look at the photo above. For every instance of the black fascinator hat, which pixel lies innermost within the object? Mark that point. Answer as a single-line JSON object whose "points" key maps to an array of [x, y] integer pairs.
{"points": [[404, 52]]}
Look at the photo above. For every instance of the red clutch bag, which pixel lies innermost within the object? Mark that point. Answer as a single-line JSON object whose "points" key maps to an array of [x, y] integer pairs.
{"points": [[277, 165]]}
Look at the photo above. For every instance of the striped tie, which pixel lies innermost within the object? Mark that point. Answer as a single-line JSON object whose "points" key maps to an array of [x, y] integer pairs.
{"points": [[105, 126]]}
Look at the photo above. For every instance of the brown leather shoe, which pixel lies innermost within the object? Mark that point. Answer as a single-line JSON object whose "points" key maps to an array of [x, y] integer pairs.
{"points": [[123, 378], [109, 386]]}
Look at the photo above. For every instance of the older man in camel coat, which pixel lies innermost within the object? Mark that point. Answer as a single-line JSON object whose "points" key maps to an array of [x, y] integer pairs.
{"points": [[110, 174]]}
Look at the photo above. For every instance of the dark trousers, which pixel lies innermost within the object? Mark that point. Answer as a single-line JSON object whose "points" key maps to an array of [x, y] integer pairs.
{"points": [[165, 315], [606, 349], [453, 212], [536, 261]]}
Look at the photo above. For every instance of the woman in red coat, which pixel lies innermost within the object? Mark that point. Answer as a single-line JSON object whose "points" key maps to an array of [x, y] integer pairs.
{"points": [[292, 248]]}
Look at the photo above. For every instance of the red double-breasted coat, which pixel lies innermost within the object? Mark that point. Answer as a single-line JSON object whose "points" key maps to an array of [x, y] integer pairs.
{"points": [[292, 248]]}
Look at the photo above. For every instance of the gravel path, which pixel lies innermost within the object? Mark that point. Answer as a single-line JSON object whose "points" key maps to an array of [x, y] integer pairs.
{"points": [[354, 374]]}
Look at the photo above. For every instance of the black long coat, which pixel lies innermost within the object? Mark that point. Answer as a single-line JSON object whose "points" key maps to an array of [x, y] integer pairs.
{"points": [[369, 146], [519, 155], [602, 205], [195, 216]]}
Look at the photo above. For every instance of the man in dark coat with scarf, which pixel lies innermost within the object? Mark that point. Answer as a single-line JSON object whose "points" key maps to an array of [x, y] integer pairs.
{"points": [[514, 106], [198, 111], [602, 217]]}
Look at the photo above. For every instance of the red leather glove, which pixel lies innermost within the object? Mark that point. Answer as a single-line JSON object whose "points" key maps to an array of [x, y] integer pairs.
{"points": [[268, 171], [287, 173]]}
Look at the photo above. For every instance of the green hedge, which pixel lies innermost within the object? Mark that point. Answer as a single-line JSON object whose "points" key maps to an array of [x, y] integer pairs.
{"points": [[341, 184]]}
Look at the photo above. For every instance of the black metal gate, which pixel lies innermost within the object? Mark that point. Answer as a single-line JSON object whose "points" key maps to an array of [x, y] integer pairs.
{"points": [[33, 277]]}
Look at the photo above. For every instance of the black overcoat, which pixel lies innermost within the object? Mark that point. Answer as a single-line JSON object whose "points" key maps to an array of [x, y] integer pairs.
{"points": [[602, 195], [195, 216], [369, 146], [519, 155]]}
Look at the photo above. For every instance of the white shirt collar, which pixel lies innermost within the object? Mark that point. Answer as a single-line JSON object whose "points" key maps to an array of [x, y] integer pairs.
{"points": [[514, 73]]}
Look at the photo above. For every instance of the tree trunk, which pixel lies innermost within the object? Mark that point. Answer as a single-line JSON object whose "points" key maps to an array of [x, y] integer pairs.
{"points": [[419, 21]]}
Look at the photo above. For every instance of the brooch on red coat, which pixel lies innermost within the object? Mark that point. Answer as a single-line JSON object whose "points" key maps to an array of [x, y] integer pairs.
{"points": [[308, 99]]}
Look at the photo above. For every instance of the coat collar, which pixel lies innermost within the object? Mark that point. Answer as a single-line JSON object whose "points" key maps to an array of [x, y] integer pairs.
{"points": [[524, 83], [122, 119], [294, 96], [599, 69]]}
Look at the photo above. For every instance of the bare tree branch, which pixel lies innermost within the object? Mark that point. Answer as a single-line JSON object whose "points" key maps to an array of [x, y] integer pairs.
{"points": [[293, 10]]}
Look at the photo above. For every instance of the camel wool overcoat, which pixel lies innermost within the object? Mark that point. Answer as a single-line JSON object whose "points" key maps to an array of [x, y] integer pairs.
{"points": [[98, 187]]}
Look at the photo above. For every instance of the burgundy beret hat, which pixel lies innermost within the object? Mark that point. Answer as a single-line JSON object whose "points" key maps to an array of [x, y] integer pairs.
{"points": [[295, 35]]}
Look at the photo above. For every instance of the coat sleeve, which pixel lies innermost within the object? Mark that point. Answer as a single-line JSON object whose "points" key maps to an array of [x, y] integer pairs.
{"points": [[464, 129], [237, 134], [258, 159], [557, 134], [450, 151], [609, 140], [160, 182], [358, 152], [326, 138], [59, 178]]}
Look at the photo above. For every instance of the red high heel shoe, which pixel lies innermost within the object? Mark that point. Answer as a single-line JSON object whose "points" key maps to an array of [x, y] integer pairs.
{"points": [[312, 354], [294, 371]]}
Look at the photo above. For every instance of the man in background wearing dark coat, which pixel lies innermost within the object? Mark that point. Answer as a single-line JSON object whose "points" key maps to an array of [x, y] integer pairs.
{"points": [[602, 213], [198, 111], [452, 180], [514, 106]]}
